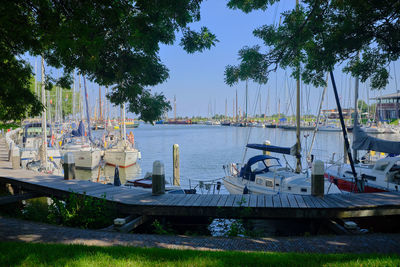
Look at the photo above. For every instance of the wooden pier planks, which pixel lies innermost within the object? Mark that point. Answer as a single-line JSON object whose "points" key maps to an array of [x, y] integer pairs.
{"points": [[141, 201]]}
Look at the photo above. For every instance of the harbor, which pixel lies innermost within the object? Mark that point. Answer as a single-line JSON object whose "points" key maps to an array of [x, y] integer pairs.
{"points": [[241, 128]]}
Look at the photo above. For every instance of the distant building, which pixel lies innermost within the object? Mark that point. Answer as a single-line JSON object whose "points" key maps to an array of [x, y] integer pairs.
{"points": [[388, 107], [334, 113]]}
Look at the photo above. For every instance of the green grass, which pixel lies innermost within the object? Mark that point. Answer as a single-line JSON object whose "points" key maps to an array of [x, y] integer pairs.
{"points": [[29, 254]]}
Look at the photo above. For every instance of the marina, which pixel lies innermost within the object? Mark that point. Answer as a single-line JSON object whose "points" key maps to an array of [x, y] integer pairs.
{"points": [[141, 202]]}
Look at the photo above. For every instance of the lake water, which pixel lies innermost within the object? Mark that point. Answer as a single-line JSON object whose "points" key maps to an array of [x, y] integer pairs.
{"points": [[205, 149]]}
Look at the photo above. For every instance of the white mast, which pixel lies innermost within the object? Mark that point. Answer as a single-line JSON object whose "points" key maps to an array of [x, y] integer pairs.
{"points": [[123, 122], [73, 99], [44, 121]]}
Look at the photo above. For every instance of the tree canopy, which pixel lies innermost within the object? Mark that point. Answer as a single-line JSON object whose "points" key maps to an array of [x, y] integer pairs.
{"points": [[112, 43], [319, 35]]}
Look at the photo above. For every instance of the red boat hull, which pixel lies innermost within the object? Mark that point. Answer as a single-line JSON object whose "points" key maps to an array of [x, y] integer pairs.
{"points": [[349, 186]]}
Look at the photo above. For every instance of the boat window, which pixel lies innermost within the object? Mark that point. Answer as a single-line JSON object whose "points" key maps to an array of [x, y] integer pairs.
{"points": [[289, 188], [259, 181], [303, 189], [269, 183], [259, 166], [276, 184]]}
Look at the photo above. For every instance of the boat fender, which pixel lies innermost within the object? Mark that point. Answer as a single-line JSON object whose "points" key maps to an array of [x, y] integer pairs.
{"points": [[245, 190]]}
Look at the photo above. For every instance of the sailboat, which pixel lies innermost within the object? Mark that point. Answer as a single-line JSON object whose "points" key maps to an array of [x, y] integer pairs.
{"points": [[264, 174], [86, 155], [123, 154], [383, 175], [38, 143]]}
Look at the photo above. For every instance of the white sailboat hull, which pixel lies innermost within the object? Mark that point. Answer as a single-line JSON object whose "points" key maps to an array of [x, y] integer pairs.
{"points": [[121, 158], [87, 159], [84, 158]]}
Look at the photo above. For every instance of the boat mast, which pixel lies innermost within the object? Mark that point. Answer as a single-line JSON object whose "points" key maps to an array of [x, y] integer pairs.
{"points": [[236, 114], [298, 144], [123, 122], [246, 97], [44, 121], [80, 98], [87, 109], [226, 107], [318, 119], [174, 107], [346, 140], [101, 114], [73, 99], [356, 87]]}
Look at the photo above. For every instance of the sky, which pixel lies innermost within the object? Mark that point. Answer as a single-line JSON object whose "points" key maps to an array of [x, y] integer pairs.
{"points": [[197, 80]]}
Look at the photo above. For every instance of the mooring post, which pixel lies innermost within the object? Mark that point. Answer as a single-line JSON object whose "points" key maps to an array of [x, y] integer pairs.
{"points": [[175, 157], [158, 178], [9, 150], [15, 158], [317, 178], [69, 166]]}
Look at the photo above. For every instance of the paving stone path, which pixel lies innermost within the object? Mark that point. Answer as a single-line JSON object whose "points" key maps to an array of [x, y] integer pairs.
{"points": [[26, 231]]}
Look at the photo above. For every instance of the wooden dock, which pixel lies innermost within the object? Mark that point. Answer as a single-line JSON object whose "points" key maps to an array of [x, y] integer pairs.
{"points": [[141, 202]]}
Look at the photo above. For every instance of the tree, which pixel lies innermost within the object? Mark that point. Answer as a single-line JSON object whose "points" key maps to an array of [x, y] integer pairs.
{"points": [[320, 34], [112, 43]]}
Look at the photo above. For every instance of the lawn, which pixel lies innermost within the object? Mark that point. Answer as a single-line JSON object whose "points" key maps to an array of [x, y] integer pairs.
{"points": [[29, 254]]}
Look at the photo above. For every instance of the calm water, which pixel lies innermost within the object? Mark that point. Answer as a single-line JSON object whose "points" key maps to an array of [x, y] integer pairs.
{"points": [[205, 149]]}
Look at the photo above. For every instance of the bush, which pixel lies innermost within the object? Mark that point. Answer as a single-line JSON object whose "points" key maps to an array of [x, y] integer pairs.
{"points": [[82, 211]]}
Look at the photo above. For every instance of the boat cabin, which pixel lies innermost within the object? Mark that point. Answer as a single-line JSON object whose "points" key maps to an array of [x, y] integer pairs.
{"points": [[257, 165], [31, 131]]}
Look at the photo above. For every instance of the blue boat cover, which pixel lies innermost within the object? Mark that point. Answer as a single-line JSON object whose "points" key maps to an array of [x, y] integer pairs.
{"points": [[80, 131], [276, 149], [257, 158]]}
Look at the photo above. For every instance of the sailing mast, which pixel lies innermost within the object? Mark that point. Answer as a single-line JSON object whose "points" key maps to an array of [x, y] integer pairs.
{"points": [[298, 144], [73, 99], [246, 98], [174, 107], [101, 114], [236, 114], [44, 121], [356, 108], [123, 122]]}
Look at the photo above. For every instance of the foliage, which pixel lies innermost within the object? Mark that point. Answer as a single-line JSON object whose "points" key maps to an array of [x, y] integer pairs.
{"points": [[33, 254], [161, 229], [317, 35], [7, 126], [16, 101], [36, 209], [81, 211], [112, 43], [66, 99]]}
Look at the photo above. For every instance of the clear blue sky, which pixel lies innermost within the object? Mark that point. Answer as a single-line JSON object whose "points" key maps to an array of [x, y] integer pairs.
{"points": [[197, 80]]}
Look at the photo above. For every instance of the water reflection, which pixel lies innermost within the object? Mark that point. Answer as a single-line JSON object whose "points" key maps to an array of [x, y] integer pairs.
{"points": [[105, 174]]}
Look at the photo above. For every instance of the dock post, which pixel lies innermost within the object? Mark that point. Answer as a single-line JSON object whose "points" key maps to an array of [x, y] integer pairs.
{"points": [[175, 157], [158, 178], [317, 178], [15, 158], [69, 166]]}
